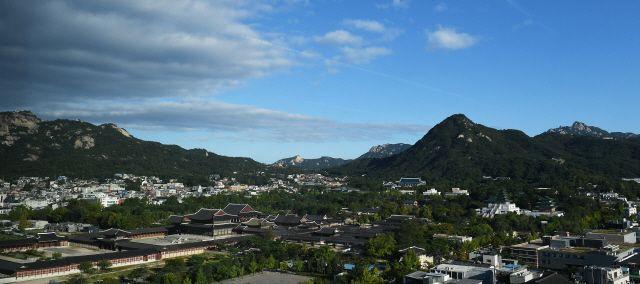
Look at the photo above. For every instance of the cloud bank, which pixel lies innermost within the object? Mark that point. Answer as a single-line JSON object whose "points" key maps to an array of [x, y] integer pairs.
{"points": [[90, 51], [231, 121]]}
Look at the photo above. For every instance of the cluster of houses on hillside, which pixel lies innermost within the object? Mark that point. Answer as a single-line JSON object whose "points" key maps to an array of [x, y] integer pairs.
{"points": [[40, 192]]}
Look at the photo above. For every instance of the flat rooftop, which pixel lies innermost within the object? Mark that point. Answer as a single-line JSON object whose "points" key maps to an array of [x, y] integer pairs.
{"points": [[529, 246]]}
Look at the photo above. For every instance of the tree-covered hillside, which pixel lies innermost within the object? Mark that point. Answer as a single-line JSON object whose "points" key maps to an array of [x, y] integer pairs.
{"points": [[32, 147], [459, 149]]}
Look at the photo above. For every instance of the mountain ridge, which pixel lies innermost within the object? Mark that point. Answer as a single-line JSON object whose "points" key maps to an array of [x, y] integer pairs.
{"points": [[31, 146], [375, 152], [579, 128], [459, 149]]}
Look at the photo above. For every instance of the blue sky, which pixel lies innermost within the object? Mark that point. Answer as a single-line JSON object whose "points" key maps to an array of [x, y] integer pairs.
{"points": [[274, 79]]}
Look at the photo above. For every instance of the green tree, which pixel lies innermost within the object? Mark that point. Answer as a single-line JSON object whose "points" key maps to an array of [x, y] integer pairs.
{"points": [[174, 262], [56, 255], [110, 281], [411, 261], [383, 245], [284, 265], [325, 252], [268, 234], [76, 279], [85, 267], [368, 277], [298, 265], [104, 263], [170, 278], [270, 262], [200, 278], [196, 260], [140, 272], [253, 266], [186, 280], [23, 224]]}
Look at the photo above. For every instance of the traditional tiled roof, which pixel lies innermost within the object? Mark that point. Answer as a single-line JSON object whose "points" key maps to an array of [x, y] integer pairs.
{"points": [[113, 232], [399, 218], [149, 230], [289, 219], [253, 222], [327, 231], [175, 219], [317, 218], [47, 237], [204, 214], [18, 242], [237, 209]]}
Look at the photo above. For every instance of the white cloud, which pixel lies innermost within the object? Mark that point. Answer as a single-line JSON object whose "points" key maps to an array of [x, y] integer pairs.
{"points": [[400, 4], [448, 38], [370, 26], [229, 121], [388, 34], [339, 37], [396, 4], [363, 55], [440, 7]]}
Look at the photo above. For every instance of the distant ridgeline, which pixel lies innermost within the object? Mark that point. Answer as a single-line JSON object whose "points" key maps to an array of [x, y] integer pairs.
{"points": [[376, 152], [459, 149], [579, 128]]}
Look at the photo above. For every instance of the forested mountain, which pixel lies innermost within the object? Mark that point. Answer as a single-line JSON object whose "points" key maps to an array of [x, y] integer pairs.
{"points": [[311, 164], [380, 151], [33, 147], [579, 128], [386, 150], [459, 149]]}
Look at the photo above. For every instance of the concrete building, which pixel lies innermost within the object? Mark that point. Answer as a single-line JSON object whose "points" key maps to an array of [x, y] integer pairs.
{"points": [[605, 275], [431, 191], [483, 274], [456, 192], [528, 252], [612, 236], [421, 277], [578, 252], [630, 211]]}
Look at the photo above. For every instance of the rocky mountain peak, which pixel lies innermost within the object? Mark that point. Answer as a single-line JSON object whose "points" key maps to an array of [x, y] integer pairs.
{"points": [[121, 130], [579, 128], [15, 124]]}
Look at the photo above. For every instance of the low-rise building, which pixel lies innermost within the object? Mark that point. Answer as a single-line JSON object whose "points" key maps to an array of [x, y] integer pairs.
{"points": [[528, 252], [465, 272], [612, 236], [604, 275], [421, 277], [630, 211], [578, 252], [456, 192], [431, 191]]}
